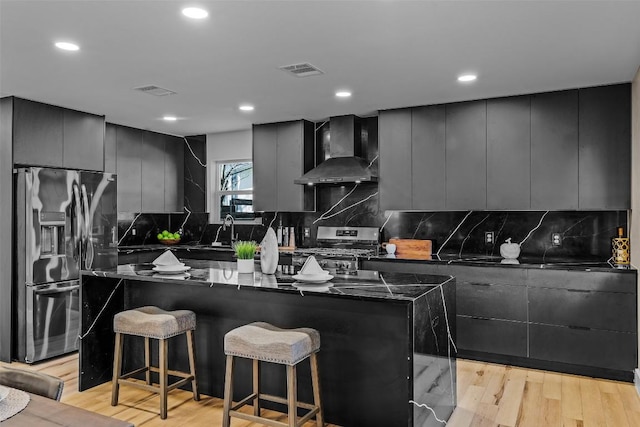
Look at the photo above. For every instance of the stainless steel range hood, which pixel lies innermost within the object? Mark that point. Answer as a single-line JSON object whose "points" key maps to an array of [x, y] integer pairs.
{"points": [[344, 164]]}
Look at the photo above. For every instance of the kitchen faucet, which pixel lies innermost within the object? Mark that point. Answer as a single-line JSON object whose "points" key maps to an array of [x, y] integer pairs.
{"points": [[224, 228]]}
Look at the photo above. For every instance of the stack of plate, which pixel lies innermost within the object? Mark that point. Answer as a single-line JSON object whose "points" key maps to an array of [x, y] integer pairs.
{"points": [[177, 268]]}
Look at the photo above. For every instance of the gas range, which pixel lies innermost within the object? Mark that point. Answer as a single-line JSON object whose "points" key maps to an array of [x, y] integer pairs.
{"points": [[340, 248]]}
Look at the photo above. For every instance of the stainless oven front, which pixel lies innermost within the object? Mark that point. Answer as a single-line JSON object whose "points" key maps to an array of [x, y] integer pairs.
{"points": [[52, 319]]}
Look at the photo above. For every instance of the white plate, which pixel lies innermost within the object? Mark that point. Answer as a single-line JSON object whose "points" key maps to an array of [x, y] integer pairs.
{"points": [[173, 269], [4, 392], [313, 278], [318, 287], [179, 276]]}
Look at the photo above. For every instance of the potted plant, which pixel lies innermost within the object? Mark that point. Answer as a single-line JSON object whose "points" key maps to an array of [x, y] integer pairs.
{"points": [[245, 252]]}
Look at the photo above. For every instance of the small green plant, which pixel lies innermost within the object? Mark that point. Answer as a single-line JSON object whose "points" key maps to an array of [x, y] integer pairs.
{"points": [[245, 249]]}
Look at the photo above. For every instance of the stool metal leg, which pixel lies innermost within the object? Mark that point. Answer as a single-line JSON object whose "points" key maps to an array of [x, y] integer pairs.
{"points": [[228, 392], [256, 387], [315, 382], [191, 343], [292, 395], [163, 377], [117, 369], [147, 359]]}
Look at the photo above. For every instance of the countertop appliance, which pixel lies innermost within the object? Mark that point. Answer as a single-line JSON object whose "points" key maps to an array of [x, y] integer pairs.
{"points": [[339, 248], [65, 221]]}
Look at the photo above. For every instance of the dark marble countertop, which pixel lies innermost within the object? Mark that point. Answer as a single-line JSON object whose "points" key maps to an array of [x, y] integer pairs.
{"points": [[365, 284], [521, 262], [180, 246]]}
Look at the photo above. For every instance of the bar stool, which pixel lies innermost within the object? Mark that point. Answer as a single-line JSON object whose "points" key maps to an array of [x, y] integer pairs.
{"points": [[264, 342], [153, 322]]}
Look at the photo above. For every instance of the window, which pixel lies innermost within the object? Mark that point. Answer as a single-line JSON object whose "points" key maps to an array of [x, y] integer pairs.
{"points": [[234, 190]]}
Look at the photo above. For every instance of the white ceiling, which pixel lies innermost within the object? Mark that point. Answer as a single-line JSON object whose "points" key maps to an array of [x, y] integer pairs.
{"points": [[389, 53]]}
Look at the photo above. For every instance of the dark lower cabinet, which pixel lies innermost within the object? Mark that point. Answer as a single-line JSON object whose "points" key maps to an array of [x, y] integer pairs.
{"points": [[601, 310], [492, 301], [491, 336], [588, 347]]}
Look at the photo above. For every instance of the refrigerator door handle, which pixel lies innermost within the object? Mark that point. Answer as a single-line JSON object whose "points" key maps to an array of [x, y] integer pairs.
{"points": [[50, 291], [77, 221], [88, 244]]}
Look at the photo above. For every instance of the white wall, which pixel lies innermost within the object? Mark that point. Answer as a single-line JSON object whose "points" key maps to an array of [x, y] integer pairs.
{"points": [[634, 235], [225, 146]]}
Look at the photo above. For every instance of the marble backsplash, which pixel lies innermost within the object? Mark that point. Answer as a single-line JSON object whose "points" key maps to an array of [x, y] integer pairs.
{"points": [[586, 235]]}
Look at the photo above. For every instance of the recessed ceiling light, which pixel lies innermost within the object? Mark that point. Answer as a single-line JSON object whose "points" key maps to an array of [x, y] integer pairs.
{"points": [[67, 46], [343, 94], [467, 78], [246, 107], [195, 13], [170, 118]]}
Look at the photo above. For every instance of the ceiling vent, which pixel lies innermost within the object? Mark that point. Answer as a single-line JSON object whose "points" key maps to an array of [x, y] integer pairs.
{"points": [[302, 70], [154, 90]]}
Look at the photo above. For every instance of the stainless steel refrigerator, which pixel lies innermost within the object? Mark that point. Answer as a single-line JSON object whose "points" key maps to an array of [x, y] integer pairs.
{"points": [[65, 221]]}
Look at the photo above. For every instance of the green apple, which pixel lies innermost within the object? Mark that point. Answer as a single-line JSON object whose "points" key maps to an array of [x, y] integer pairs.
{"points": [[160, 236]]}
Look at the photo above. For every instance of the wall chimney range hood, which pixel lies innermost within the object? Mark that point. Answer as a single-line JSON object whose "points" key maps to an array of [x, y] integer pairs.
{"points": [[344, 164]]}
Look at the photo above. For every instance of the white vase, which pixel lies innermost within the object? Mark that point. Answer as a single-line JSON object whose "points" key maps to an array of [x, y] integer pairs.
{"points": [[246, 266], [269, 252]]}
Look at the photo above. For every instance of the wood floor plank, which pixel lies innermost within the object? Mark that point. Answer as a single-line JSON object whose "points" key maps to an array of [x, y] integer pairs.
{"points": [[552, 386], [571, 398], [511, 402], [592, 410], [629, 396], [466, 410], [551, 413], [614, 413], [531, 404]]}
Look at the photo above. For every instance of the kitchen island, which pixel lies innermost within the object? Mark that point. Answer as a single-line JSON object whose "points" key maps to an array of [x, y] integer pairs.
{"points": [[387, 352]]}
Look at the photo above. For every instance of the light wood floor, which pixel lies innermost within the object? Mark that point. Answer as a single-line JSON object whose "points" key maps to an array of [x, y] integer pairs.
{"points": [[488, 395]]}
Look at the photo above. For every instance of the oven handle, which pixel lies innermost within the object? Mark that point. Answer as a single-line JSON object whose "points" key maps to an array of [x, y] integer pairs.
{"points": [[56, 290]]}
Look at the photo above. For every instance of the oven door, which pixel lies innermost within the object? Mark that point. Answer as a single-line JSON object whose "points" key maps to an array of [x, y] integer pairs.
{"points": [[53, 319]]}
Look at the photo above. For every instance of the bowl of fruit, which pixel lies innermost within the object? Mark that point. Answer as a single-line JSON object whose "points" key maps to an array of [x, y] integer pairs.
{"points": [[168, 238]]}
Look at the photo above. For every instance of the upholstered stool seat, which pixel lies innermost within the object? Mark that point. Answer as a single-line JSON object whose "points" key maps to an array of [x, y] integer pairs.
{"points": [[154, 323], [263, 342]]}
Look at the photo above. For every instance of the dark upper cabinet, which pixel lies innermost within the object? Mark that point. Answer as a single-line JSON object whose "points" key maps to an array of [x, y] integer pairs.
{"points": [[152, 171], [110, 148], [46, 135], [509, 153], [395, 183], [554, 150], [129, 169], [605, 147], [265, 138], [282, 152], [37, 133], [83, 141], [173, 174], [466, 156], [428, 158]]}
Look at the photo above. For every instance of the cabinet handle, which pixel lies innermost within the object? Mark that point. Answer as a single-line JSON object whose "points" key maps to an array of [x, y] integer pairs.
{"points": [[480, 284], [582, 291], [581, 328]]}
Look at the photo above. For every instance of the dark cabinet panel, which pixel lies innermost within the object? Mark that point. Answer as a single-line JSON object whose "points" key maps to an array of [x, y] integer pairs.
{"points": [[509, 153], [605, 349], [615, 311], [83, 141], [282, 152], [152, 160], [466, 155], [605, 147], [37, 134], [264, 167], [173, 174], [428, 158], [395, 186], [129, 152], [491, 275], [554, 150], [110, 151], [583, 280], [492, 336], [491, 301], [289, 147]]}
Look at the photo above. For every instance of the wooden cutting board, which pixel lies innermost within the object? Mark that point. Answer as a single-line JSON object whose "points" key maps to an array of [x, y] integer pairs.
{"points": [[411, 248]]}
